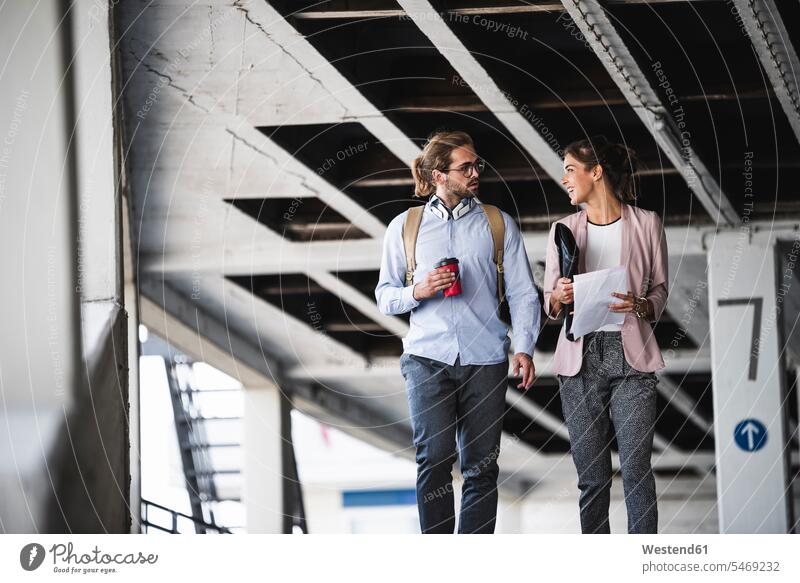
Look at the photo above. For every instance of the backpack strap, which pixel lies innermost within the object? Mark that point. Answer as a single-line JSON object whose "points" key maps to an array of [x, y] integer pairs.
{"points": [[498, 228], [496, 225], [410, 232]]}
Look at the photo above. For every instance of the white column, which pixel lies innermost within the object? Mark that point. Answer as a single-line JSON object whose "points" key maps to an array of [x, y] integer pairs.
{"points": [[262, 466], [748, 377]]}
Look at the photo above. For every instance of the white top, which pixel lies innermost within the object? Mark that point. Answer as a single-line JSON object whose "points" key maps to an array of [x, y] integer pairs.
{"points": [[604, 250]]}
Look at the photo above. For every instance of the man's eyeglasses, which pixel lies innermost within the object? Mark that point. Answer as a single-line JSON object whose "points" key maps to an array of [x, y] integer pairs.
{"points": [[466, 169]]}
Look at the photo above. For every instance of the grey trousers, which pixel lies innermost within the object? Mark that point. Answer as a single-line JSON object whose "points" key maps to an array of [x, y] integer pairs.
{"points": [[606, 391], [456, 404]]}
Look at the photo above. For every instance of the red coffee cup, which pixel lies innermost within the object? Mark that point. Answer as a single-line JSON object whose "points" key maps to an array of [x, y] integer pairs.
{"points": [[451, 264]]}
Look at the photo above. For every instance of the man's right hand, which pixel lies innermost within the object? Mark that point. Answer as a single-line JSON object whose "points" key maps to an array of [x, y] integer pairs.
{"points": [[434, 282]]}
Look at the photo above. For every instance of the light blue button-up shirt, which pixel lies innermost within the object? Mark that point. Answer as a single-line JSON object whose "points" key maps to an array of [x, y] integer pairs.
{"points": [[466, 325]]}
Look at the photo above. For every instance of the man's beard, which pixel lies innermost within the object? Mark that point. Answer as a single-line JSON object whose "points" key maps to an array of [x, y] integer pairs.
{"points": [[461, 191]]}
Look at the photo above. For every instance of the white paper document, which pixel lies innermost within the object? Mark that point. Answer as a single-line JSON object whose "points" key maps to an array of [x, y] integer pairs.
{"points": [[592, 292]]}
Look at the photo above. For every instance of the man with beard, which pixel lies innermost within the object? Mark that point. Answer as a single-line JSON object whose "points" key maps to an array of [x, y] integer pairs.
{"points": [[455, 358]]}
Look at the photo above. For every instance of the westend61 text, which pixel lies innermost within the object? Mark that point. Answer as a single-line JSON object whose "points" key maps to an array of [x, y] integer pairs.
{"points": [[673, 550]]}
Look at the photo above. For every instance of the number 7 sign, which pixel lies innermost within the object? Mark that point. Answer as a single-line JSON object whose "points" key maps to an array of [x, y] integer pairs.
{"points": [[748, 371]]}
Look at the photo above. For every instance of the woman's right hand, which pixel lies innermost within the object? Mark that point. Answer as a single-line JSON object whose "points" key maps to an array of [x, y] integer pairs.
{"points": [[563, 293]]}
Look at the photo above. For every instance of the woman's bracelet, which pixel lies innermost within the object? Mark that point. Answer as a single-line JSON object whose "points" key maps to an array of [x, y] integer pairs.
{"points": [[640, 307]]}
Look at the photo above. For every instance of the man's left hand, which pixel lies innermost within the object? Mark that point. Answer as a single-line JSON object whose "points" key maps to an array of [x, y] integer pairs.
{"points": [[524, 362]]}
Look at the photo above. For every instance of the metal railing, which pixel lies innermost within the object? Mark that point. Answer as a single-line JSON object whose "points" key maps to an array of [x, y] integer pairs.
{"points": [[175, 515]]}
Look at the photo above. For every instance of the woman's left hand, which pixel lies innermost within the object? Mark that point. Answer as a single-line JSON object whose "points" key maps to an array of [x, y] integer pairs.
{"points": [[630, 303], [624, 306]]}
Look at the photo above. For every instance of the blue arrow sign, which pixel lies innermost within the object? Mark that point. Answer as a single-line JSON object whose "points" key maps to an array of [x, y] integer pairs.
{"points": [[750, 435]]}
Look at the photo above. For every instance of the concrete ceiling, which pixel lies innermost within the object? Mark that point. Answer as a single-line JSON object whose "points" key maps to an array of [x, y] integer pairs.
{"points": [[268, 145]]}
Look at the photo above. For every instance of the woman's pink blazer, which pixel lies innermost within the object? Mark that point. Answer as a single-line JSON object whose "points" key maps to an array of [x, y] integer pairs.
{"points": [[644, 251]]}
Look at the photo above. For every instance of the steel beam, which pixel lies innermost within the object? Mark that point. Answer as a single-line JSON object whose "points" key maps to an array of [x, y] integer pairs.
{"points": [[450, 46], [774, 47], [270, 254], [546, 7], [590, 17]]}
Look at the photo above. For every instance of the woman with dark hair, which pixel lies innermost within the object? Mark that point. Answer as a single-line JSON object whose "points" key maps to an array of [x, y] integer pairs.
{"points": [[606, 378]]}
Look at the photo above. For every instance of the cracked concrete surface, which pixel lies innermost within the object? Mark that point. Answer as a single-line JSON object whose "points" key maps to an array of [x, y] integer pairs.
{"points": [[208, 76]]}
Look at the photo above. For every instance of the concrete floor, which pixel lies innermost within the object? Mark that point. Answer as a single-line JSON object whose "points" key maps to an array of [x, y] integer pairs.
{"points": [[687, 504]]}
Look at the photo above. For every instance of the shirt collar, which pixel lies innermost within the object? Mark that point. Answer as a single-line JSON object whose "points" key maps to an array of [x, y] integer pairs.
{"points": [[440, 209]]}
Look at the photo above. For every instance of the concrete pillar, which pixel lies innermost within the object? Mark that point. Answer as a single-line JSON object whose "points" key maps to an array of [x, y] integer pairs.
{"points": [[797, 394], [40, 343], [63, 356], [100, 475], [262, 466], [131, 304], [748, 374]]}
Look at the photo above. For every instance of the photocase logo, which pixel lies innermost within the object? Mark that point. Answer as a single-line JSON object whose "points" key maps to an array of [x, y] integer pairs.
{"points": [[31, 556]]}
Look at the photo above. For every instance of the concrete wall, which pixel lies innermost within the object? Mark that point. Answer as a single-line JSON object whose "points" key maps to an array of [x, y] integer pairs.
{"points": [[64, 429]]}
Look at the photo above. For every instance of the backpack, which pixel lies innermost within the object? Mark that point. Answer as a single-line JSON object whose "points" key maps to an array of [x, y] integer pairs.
{"points": [[496, 224]]}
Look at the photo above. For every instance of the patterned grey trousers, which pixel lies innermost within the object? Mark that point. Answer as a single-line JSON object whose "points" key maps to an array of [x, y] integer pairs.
{"points": [[608, 390]]}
